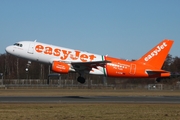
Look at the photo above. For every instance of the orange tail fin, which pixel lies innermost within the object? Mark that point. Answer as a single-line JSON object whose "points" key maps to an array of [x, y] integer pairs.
{"points": [[156, 56]]}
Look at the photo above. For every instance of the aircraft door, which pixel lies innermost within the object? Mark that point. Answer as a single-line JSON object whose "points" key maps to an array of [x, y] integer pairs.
{"points": [[133, 69], [31, 48]]}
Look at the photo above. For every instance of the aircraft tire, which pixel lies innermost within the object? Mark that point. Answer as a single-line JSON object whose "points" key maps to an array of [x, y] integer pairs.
{"points": [[158, 80], [81, 80]]}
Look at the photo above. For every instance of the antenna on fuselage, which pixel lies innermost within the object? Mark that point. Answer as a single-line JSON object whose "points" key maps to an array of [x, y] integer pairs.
{"points": [[35, 40]]}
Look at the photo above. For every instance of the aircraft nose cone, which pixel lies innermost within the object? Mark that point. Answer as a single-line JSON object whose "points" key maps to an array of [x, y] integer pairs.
{"points": [[8, 49]]}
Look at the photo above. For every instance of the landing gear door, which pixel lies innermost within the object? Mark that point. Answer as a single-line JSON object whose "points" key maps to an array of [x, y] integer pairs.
{"points": [[31, 48]]}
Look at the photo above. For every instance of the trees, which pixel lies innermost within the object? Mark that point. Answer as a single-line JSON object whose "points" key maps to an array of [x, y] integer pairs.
{"points": [[172, 64], [15, 68]]}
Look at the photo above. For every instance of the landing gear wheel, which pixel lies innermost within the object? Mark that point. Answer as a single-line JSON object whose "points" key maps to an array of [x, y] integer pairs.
{"points": [[81, 79], [158, 80]]}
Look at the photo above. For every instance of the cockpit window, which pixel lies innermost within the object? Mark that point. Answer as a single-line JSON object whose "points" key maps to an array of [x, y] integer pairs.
{"points": [[18, 44]]}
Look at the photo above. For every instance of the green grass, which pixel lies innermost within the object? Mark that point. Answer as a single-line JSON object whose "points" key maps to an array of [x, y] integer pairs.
{"points": [[97, 111], [87, 111]]}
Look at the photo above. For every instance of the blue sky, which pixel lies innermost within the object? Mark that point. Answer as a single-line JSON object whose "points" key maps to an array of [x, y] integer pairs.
{"points": [[119, 28]]}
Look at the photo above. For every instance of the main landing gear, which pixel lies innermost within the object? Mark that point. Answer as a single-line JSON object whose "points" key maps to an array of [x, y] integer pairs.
{"points": [[81, 79], [158, 80]]}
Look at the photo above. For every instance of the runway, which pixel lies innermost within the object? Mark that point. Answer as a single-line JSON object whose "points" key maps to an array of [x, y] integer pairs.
{"points": [[91, 99]]}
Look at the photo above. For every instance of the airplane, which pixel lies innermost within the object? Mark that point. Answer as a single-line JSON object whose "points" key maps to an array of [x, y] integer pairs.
{"points": [[64, 60]]}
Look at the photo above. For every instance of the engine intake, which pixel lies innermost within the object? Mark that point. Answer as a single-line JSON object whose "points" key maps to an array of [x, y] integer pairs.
{"points": [[60, 67]]}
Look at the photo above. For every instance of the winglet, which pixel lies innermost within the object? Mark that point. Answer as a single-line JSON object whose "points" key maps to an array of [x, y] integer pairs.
{"points": [[156, 56]]}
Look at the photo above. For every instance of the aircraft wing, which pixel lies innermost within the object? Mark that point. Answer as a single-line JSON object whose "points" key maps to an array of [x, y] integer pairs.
{"points": [[90, 65], [84, 66]]}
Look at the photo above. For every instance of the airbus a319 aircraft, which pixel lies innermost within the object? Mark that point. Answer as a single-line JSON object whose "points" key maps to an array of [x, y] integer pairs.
{"points": [[63, 60]]}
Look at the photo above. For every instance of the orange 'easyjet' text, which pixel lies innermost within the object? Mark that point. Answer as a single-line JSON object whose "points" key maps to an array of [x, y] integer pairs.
{"points": [[64, 54]]}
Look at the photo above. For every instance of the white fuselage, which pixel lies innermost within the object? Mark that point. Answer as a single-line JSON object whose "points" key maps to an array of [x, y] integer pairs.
{"points": [[46, 53]]}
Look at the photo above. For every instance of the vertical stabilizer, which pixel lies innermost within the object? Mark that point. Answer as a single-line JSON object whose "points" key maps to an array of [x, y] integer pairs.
{"points": [[156, 56]]}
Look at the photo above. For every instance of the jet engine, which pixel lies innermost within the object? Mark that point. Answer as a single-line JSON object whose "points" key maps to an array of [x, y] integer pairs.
{"points": [[60, 67]]}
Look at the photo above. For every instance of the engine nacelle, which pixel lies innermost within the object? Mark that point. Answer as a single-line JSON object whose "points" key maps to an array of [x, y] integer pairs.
{"points": [[60, 67]]}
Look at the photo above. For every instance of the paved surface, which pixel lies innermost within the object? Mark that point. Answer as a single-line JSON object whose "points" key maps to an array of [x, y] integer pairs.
{"points": [[87, 99]]}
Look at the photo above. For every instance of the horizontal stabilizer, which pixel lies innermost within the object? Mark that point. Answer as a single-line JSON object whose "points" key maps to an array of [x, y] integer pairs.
{"points": [[152, 72]]}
